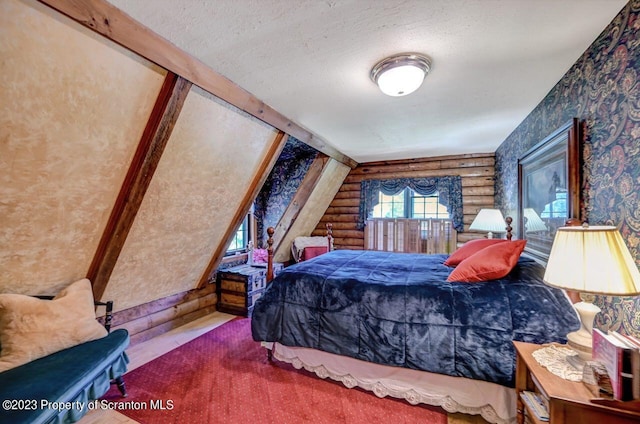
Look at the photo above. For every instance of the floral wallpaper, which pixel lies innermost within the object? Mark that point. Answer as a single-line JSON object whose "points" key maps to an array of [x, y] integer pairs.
{"points": [[281, 185], [602, 88]]}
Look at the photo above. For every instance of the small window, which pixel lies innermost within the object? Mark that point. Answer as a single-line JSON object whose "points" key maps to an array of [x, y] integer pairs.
{"points": [[409, 204], [241, 238]]}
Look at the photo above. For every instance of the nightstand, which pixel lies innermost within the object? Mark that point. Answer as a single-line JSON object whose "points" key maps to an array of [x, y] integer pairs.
{"points": [[569, 402]]}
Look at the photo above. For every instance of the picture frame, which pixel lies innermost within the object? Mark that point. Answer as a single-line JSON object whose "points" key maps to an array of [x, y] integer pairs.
{"points": [[549, 187]]}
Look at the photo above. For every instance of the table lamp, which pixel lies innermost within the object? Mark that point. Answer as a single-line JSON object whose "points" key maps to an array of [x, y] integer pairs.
{"points": [[590, 260], [490, 220]]}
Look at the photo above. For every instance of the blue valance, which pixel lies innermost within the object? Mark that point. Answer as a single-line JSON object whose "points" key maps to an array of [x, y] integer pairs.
{"points": [[449, 189]]}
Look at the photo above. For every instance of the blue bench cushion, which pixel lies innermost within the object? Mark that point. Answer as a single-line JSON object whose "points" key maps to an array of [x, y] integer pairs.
{"points": [[77, 374]]}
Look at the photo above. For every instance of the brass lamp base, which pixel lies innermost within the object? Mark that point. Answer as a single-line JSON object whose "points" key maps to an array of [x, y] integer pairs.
{"points": [[581, 343]]}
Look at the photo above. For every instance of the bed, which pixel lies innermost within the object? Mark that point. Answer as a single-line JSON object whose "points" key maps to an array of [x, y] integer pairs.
{"points": [[391, 323]]}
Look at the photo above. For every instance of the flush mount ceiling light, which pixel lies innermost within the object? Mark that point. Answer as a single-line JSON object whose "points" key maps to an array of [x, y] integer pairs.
{"points": [[401, 74]]}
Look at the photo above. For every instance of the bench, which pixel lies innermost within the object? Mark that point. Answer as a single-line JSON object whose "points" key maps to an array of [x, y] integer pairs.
{"points": [[63, 386]]}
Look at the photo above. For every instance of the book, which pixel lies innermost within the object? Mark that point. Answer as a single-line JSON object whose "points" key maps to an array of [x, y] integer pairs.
{"points": [[540, 391], [596, 378], [617, 359], [535, 404], [634, 344]]}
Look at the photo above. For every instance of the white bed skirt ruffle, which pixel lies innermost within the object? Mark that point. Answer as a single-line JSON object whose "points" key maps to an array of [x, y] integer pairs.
{"points": [[495, 403]]}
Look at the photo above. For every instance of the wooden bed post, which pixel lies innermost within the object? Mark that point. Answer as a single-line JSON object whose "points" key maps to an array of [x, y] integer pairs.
{"points": [[270, 232], [509, 220], [329, 236]]}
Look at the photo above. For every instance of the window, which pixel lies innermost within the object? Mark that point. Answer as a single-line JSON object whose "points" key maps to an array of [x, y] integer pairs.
{"points": [[390, 206], [409, 204], [427, 206], [449, 195], [241, 238]]}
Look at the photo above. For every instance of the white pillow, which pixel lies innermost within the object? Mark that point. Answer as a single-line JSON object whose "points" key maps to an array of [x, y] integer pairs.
{"points": [[31, 328]]}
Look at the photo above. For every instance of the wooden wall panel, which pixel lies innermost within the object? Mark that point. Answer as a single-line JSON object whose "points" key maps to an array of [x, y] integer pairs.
{"points": [[72, 109], [207, 166], [476, 170], [159, 316], [165, 113], [311, 212]]}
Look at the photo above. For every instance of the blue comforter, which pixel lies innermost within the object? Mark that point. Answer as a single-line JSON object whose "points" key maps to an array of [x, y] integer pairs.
{"points": [[397, 309]]}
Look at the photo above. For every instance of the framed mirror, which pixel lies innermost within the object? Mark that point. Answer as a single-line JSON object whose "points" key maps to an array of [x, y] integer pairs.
{"points": [[549, 180]]}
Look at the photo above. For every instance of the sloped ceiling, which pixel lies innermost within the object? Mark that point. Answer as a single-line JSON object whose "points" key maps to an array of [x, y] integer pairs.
{"points": [[493, 61]]}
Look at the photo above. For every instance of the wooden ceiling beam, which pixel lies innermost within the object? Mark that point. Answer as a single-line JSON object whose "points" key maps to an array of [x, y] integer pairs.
{"points": [[156, 134], [250, 194], [112, 23]]}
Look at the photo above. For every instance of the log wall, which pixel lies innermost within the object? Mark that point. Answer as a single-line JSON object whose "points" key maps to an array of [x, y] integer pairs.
{"points": [[477, 172], [159, 316]]}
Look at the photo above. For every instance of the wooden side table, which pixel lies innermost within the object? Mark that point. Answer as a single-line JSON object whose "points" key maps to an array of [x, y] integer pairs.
{"points": [[569, 402]]}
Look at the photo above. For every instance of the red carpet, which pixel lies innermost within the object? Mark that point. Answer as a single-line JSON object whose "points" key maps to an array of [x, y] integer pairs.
{"points": [[224, 377]]}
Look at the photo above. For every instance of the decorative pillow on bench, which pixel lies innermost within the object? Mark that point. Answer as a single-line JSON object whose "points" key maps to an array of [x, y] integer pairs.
{"points": [[31, 328]]}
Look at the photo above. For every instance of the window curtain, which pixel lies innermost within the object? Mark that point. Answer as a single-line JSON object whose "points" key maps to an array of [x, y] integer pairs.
{"points": [[449, 189]]}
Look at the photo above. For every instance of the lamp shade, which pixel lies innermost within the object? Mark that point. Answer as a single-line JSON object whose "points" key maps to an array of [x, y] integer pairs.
{"points": [[401, 74], [592, 260], [489, 220], [533, 221], [401, 80]]}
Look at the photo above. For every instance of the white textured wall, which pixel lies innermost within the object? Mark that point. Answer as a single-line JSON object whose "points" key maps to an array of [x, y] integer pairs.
{"points": [[72, 110], [205, 171]]}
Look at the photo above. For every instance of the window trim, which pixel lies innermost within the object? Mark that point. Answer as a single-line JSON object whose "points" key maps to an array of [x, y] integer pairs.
{"points": [[409, 196]]}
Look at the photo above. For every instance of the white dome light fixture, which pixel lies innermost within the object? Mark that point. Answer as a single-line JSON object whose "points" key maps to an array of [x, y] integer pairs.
{"points": [[401, 74]]}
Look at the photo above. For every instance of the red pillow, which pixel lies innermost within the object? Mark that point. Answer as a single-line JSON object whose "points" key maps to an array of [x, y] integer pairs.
{"points": [[490, 263], [310, 252], [468, 249]]}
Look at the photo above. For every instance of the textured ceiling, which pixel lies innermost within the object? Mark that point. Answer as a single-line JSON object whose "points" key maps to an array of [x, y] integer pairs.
{"points": [[493, 61]]}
